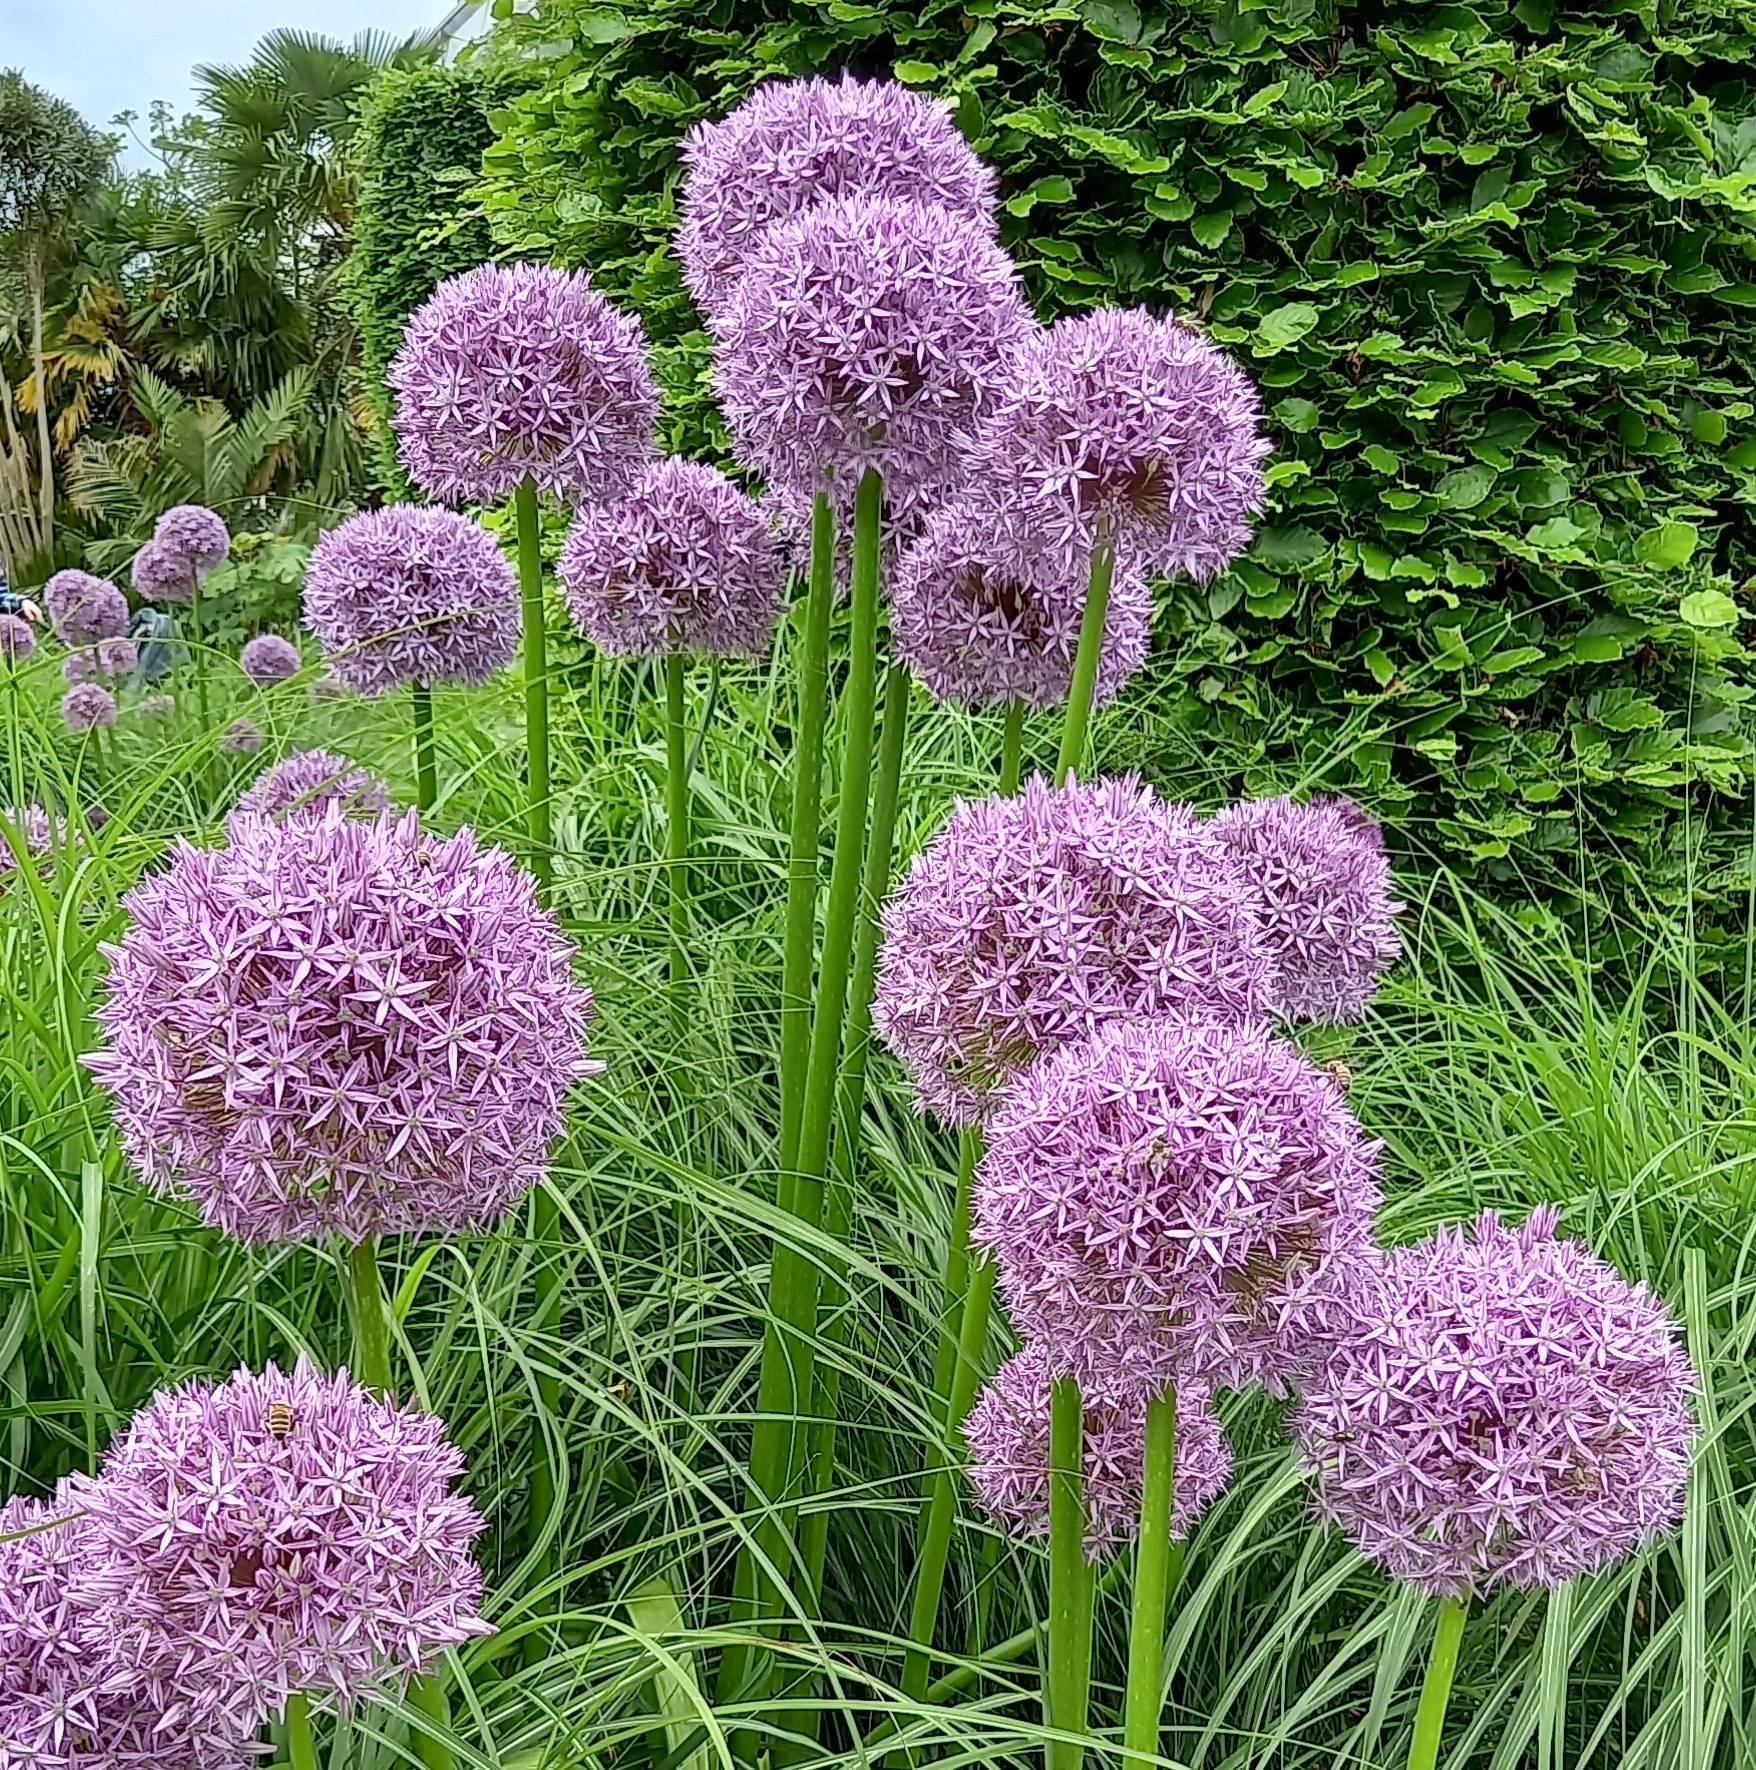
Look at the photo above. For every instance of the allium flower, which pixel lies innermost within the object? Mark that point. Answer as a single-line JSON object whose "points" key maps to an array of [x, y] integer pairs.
{"points": [[330, 1026], [331, 1557], [1121, 425], [1008, 1436], [1507, 1407], [796, 143], [18, 639], [309, 781], [1029, 921], [686, 562], [80, 666], [411, 594], [87, 707], [515, 371], [866, 333], [195, 535], [983, 618], [268, 659], [1323, 891], [161, 574], [31, 828], [1176, 1200], [242, 738], [156, 706], [83, 609], [117, 657]]}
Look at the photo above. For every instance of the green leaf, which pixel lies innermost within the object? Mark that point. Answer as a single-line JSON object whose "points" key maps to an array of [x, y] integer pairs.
{"points": [[1211, 229], [1709, 608], [1276, 546], [1054, 189], [1670, 545], [1285, 325], [1112, 21], [915, 73], [1465, 487]]}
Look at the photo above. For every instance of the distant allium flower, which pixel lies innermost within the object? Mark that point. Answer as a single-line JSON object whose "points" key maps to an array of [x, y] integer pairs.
{"points": [[1028, 922], [83, 609], [87, 707], [268, 659], [242, 738], [156, 706], [1176, 1200], [1121, 424], [796, 143], [195, 535], [330, 1026], [512, 371], [982, 618], [80, 666], [1506, 1407], [866, 333], [31, 828], [332, 1558], [308, 781], [118, 657], [684, 563], [1008, 1436], [411, 594], [18, 639], [161, 574], [1323, 892]]}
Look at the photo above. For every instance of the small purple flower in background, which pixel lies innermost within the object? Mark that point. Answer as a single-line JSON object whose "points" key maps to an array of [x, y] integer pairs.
{"points": [[194, 535], [161, 574], [18, 639], [1323, 890], [1507, 1407], [31, 828], [1176, 1200], [515, 371], [1008, 1437], [80, 666], [337, 1027], [309, 781], [268, 659], [156, 706], [1031, 920], [242, 738], [796, 143], [983, 618], [88, 707], [411, 594], [117, 657], [83, 609], [686, 562]]}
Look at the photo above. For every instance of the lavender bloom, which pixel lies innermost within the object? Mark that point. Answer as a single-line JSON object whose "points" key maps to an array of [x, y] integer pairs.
{"points": [[242, 738], [411, 594], [196, 536], [515, 371], [161, 574], [1117, 425], [18, 639], [795, 143], [983, 618], [335, 1027], [268, 659], [1008, 1436], [88, 707], [80, 666], [1030, 921], [1507, 1407], [685, 563], [866, 333], [118, 657], [309, 781], [83, 609], [1176, 1200], [32, 829]]}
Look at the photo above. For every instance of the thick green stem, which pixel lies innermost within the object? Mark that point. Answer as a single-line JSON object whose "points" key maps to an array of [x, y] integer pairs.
{"points": [[426, 769], [371, 1324], [1144, 1707], [1068, 1679], [197, 650], [301, 1745], [677, 823], [536, 681], [1085, 664], [956, 1276], [1436, 1687], [1012, 748]]}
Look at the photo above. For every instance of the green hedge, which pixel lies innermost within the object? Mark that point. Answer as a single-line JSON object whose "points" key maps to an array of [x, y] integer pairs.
{"points": [[1492, 265]]}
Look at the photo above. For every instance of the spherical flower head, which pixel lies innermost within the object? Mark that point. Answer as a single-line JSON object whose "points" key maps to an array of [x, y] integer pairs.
{"points": [[516, 371], [309, 781], [80, 666], [686, 562], [1176, 1200], [337, 1027], [290, 1531], [18, 639], [156, 706], [88, 707], [1120, 426], [1008, 1437], [242, 738], [195, 535], [411, 594], [1506, 1408], [1323, 891], [83, 609], [31, 828], [268, 659], [1031, 920], [161, 574], [984, 617], [866, 333], [796, 143], [117, 657]]}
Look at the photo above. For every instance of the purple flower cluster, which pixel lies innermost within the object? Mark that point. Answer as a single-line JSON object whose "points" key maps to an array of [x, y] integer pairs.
{"points": [[337, 1027], [1506, 1407], [268, 659], [102, 662], [32, 829], [156, 706], [686, 562], [309, 781], [195, 536], [161, 574], [516, 371], [18, 639], [88, 706], [411, 594], [83, 609]]}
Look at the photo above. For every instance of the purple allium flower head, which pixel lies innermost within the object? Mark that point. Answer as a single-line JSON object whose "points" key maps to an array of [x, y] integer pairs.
{"points": [[515, 371], [161, 574], [866, 333], [242, 738], [686, 562], [87, 707], [1174, 1200], [117, 657], [80, 666], [1008, 1436], [795, 143], [331, 1026], [411, 594], [310, 780], [18, 639], [1029, 921], [83, 609], [1506, 1407], [982, 617], [31, 827], [1119, 424], [333, 1557], [196, 536], [268, 659], [156, 706], [1323, 891]]}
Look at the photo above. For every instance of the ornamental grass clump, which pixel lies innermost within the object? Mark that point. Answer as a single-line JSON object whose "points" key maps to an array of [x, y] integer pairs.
{"points": [[268, 659], [83, 609], [307, 782]]}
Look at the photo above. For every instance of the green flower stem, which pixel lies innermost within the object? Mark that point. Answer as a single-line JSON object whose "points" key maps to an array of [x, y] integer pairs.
{"points": [[197, 650], [371, 1324], [1436, 1687], [426, 772], [956, 1277], [1144, 1707], [1085, 664], [677, 823], [536, 681], [427, 1695], [301, 1745], [1067, 1681], [1012, 748]]}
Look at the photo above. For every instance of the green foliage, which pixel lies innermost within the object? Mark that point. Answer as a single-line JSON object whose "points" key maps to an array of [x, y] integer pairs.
{"points": [[1490, 265], [51, 161]]}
